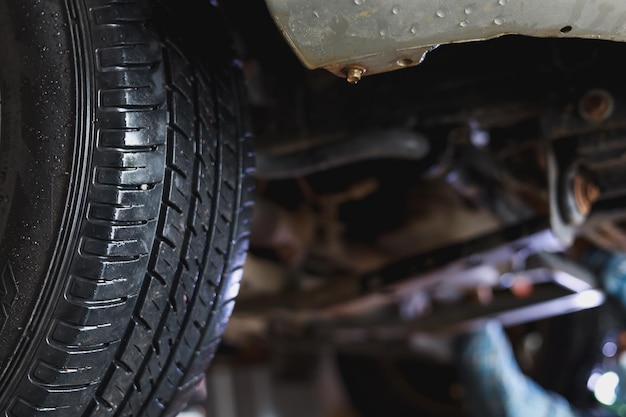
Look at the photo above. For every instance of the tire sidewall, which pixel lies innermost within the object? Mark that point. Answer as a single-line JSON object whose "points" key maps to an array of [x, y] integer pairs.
{"points": [[38, 118]]}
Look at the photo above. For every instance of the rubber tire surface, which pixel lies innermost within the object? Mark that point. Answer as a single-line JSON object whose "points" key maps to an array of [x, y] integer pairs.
{"points": [[124, 203]]}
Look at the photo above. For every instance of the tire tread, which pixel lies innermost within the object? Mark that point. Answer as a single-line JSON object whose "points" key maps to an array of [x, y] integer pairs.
{"points": [[164, 231]]}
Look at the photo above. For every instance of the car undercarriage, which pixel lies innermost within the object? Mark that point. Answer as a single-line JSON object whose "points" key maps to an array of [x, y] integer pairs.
{"points": [[423, 171], [428, 200]]}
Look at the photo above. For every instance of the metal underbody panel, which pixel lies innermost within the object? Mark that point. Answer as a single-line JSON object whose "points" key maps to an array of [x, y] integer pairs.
{"points": [[378, 36]]}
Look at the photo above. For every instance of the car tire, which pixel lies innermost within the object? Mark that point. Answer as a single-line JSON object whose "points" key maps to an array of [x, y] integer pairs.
{"points": [[125, 202]]}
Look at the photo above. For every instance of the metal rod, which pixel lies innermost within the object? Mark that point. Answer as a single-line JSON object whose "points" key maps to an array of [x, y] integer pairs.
{"points": [[385, 144]]}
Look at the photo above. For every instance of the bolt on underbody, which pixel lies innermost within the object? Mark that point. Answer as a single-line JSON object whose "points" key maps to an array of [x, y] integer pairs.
{"points": [[354, 74]]}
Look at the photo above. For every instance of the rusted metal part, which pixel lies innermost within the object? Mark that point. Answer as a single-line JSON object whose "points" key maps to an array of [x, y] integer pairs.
{"points": [[354, 74], [596, 105], [355, 295], [555, 293], [585, 193], [384, 36], [458, 268], [306, 245], [533, 235], [560, 287]]}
